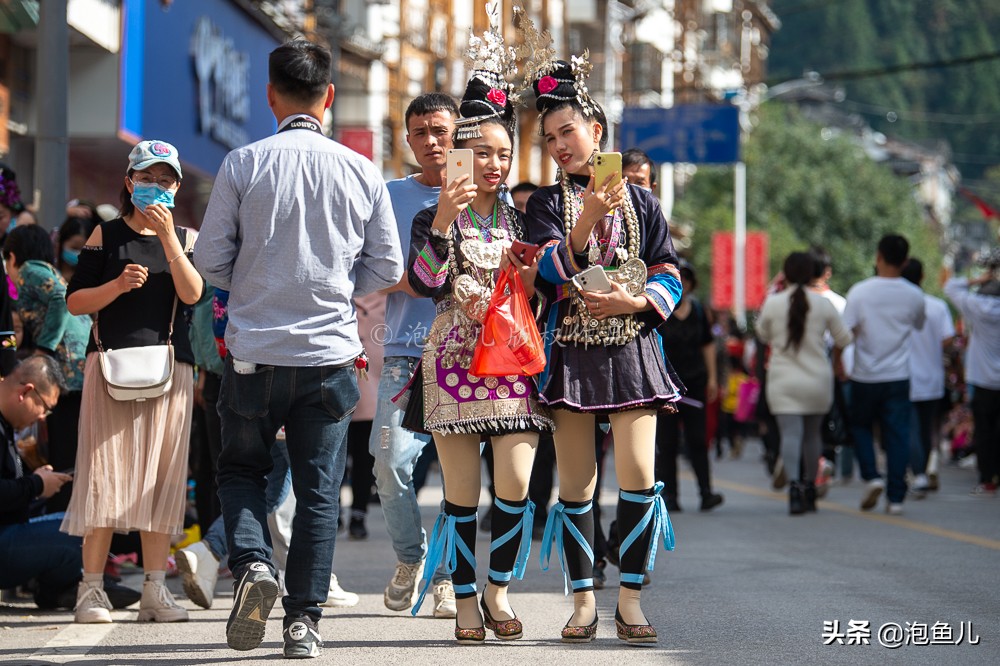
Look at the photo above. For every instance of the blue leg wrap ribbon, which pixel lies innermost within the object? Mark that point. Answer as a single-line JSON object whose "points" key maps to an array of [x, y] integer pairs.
{"points": [[553, 530], [443, 549], [525, 526], [655, 514]]}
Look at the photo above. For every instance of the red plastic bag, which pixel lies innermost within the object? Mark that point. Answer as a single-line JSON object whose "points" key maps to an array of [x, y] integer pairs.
{"points": [[509, 343]]}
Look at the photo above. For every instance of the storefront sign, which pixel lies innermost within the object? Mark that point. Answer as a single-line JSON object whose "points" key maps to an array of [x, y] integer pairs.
{"points": [[194, 76]]}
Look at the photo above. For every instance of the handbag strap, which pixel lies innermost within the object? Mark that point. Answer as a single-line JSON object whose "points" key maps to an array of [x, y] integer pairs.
{"points": [[170, 333], [189, 240]]}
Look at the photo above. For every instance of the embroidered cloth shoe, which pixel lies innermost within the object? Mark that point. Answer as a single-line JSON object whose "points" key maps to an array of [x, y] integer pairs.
{"points": [[579, 634], [92, 605], [444, 600], [338, 597], [873, 489], [199, 573], [158, 605], [301, 635], [634, 634], [474, 636], [505, 630], [399, 592], [253, 599]]}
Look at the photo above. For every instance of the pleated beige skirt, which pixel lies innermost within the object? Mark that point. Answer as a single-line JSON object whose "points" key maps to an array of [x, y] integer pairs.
{"points": [[132, 461]]}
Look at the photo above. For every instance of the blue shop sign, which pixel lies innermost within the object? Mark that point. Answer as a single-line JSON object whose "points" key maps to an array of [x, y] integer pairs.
{"points": [[194, 75]]}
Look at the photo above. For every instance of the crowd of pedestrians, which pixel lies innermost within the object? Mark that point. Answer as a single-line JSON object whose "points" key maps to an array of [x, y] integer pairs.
{"points": [[266, 318]]}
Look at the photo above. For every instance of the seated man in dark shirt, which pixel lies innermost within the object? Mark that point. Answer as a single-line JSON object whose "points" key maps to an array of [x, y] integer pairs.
{"points": [[34, 548]]}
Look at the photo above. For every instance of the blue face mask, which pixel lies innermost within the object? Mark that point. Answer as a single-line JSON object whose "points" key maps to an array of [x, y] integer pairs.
{"points": [[145, 195], [13, 224], [70, 257]]}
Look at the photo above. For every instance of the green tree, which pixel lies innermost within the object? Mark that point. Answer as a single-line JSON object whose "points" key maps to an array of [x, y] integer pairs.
{"points": [[959, 104], [806, 185]]}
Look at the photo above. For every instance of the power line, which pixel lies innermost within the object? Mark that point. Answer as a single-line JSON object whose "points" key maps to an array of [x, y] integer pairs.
{"points": [[923, 116], [806, 7], [910, 67]]}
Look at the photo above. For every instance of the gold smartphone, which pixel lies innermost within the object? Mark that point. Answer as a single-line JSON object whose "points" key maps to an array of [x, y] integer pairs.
{"points": [[459, 164], [607, 164]]}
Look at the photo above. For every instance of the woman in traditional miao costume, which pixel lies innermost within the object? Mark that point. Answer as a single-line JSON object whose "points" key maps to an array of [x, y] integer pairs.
{"points": [[604, 355], [458, 251]]}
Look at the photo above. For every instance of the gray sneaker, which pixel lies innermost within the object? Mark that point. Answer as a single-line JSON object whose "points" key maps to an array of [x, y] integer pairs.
{"points": [[253, 600], [302, 640], [402, 588], [444, 600]]}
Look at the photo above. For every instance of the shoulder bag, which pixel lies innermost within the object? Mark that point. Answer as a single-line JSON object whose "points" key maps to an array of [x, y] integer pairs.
{"points": [[138, 373]]}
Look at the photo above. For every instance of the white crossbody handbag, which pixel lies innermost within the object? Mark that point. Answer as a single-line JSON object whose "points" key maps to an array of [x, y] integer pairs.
{"points": [[138, 373]]}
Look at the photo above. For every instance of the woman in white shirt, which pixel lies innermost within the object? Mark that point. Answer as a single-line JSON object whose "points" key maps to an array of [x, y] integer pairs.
{"points": [[800, 375]]}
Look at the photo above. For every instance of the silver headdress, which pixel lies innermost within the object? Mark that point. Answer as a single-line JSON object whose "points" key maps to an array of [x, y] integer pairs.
{"points": [[554, 81], [489, 93]]}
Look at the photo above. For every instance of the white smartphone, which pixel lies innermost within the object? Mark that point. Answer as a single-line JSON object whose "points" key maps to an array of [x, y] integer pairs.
{"points": [[607, 164], [593, 279], [459, 164]]}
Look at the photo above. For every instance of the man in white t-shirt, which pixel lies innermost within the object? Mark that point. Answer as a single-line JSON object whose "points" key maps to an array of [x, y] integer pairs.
{"points": [[926, 380], [981, 310], [882, 312]]}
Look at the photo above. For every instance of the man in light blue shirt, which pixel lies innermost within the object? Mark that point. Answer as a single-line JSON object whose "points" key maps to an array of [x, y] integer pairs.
{"points": [[430, 125], [296, 226]]}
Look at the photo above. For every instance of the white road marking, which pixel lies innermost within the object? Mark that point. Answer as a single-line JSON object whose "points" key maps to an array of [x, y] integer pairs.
{"points": [[75, 641]]}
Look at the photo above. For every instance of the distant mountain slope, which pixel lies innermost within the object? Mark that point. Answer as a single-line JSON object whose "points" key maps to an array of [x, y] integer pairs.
{"points": [[960, 104]]}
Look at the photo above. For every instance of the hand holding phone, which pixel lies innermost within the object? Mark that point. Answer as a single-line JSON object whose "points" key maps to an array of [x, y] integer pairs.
{"points": [[525, 252], [607, 165], [593, 279], [459, 164]]}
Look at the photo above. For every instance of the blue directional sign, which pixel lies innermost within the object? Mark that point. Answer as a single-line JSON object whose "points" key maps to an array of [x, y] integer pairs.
{"points": [[693, 133]]}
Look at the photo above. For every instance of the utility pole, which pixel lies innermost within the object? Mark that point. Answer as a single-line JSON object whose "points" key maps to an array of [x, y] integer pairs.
{"points": [[52, 142]]}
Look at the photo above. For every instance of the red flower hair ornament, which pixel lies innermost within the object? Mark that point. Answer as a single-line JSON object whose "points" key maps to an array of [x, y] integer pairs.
{"points": [[547, 84], [497, 96]]}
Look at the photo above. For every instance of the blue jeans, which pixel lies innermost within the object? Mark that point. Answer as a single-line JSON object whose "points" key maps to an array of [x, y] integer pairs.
{"points": [[279, 483], [396, 451], [889, 404], [37, 549], [314, 404]]}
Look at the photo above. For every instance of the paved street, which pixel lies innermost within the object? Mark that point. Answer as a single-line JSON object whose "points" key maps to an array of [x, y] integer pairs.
{"points": [[748, 584]]}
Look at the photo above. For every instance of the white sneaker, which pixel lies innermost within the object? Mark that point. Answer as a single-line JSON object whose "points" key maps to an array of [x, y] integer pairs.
{"points": [[444, 600], [338, 597], [921, 484], [92, 605], [402, 588], [873, 489], [158, 605], [199, 571], [894, 509]]}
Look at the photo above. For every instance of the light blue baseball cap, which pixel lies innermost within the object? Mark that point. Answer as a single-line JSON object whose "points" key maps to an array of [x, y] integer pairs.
{"points": [[147, 153]]}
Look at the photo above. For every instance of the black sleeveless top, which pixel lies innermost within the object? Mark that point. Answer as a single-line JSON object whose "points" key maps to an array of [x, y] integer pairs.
{"points": [[141, 316]]}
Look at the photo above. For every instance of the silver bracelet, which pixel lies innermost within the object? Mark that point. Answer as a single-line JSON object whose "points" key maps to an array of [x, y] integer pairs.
{"points": [[440, 234]]}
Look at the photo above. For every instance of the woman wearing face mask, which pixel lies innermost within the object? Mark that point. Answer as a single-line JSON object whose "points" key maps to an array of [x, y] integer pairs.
{"points": [[72, 237], [131, 467], [603, 348], [458, 251], [50, 329]]}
